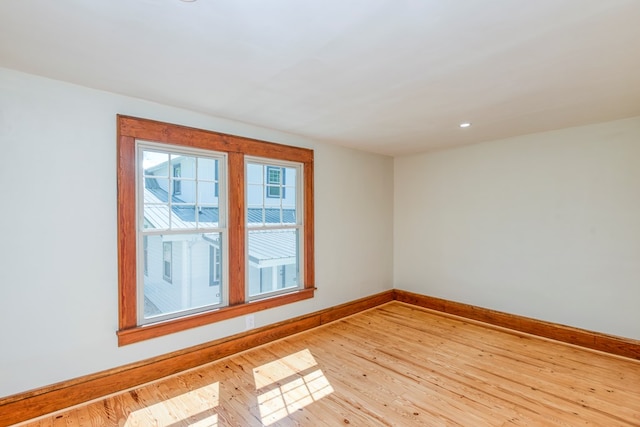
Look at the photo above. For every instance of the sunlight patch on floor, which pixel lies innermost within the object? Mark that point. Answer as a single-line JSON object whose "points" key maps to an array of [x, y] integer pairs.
{"points": [[289, 384], [195, 407]]}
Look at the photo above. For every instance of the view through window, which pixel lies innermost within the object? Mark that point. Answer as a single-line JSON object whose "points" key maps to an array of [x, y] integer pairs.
{"points": [[210, 226]]}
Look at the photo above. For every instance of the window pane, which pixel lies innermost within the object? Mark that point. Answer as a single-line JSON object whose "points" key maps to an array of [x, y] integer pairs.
{"points": [[207, 194], [184, 191], [157, 187], [273, 261], [272, 216], [289, 215], [290, 176], [273, 193], [156, 207], [181, 274], [255, 174], [183, 217], [254, 216], [207, 169], [155, 163], [208, 217], [156, 217], [185, 165], [255, 196]]}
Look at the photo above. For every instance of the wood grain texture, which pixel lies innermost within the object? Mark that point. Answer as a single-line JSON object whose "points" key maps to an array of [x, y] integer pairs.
{"points": [[594, 340], [309, 224], [154, 330], [151, 130], [394, 365], [237, 240], [31, 404], [126, 174]]}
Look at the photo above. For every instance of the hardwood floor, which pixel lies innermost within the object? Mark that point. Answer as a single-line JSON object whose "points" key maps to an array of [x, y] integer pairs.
{"points": [[394, 365]]}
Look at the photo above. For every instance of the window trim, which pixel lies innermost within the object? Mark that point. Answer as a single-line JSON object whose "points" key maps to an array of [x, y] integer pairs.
{"points": [[131, 129], [175, 152]]}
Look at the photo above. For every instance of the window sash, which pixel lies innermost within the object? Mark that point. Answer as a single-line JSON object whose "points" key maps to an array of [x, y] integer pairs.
{"points": [[175, 171], [274, 172]]}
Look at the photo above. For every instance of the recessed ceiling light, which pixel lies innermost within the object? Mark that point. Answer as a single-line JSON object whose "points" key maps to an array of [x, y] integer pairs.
{"points": [[465, 125]]}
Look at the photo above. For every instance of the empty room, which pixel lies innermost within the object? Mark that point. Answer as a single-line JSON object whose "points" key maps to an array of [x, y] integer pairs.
{"points": [[320, 213]]}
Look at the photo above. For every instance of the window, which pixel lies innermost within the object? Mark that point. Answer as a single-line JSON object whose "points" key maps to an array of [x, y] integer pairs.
{"points": [[210, 226], [273, 224], [177, 184], [178, 230], [166, 260], [215, 266], [275, 182]]}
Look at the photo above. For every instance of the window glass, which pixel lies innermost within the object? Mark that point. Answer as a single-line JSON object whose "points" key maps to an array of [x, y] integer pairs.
{"points": [[179, 273], [271, 195], [273, 232], [182, 241], [273, 261]]}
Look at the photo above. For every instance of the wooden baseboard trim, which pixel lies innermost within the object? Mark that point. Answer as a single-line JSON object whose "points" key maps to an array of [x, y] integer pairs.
{"points": [[594, 340], [45, 400], [35, 403]]}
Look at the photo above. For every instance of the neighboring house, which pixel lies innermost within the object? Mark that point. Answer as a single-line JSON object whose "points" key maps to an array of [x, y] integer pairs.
{"points": [[176, 265]]}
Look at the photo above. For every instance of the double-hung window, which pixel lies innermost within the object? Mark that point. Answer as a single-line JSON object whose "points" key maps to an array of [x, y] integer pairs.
{"points": [[210, 226]]}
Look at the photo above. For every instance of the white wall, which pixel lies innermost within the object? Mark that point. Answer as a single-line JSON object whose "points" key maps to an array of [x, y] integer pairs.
{"points": [[544, 225], [58, 275]]}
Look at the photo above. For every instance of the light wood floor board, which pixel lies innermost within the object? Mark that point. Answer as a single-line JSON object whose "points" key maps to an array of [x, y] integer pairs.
{"points": [[394, 365]]}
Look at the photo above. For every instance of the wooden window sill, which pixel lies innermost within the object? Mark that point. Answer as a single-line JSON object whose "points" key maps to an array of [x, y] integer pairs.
{"points": [[154, 330]]}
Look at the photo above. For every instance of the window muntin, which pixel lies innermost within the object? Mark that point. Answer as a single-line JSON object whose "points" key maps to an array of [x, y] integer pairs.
{"points": [[274, 255], [178, 232]]}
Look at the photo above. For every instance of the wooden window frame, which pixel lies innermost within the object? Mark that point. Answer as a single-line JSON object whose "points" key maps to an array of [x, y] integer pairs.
{"points": [[131, 129]]}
